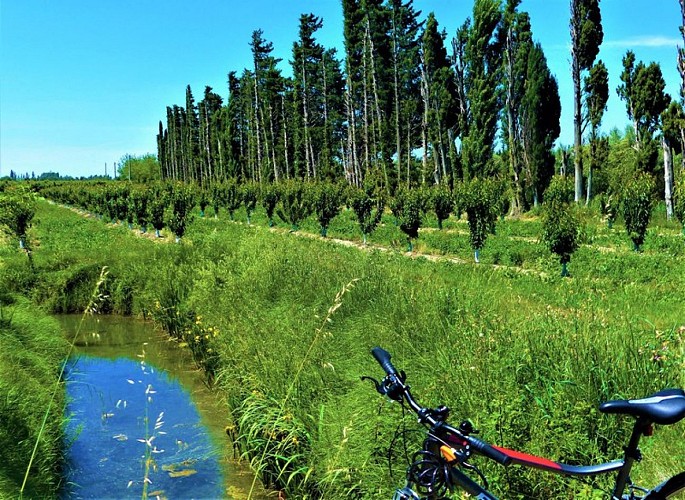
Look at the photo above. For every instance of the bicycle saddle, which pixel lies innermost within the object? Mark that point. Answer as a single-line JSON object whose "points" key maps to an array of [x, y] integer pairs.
{"points": [[664, 407]]}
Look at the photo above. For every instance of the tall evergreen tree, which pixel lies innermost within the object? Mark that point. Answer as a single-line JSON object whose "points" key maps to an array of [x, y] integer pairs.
{"points": [[317, 110], [681, 53], [482, 82], [268, 92], [517, 45], [586, 37], [643, 91], [191, 138], [672, 125], [369, 93], [208, 111], [405, 28], [439, 96], [540, 114], [596, 93]]}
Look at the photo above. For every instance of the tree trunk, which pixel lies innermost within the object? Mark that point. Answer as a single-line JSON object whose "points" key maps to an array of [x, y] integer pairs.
{"points": [[273, 143], [398, 132], [378, 129], [589, 173], [308, 160], [424, 122], [285, 139], [668, 177], [577, 123], [514, 166], [367, 154], [258, 166]]}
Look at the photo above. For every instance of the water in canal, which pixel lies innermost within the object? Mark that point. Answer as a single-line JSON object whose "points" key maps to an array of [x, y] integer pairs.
{"points": [[140, 418]]}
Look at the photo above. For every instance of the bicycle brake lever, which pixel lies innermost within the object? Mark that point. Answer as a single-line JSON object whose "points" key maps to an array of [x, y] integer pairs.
{"points": [[379, 388]]}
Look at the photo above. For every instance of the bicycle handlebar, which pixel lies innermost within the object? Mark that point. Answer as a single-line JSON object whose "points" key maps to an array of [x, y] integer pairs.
{"points": [[489, 451], [383, 358]]}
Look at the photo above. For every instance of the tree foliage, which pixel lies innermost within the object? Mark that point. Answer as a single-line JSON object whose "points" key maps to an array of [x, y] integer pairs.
{"points": [[407, 206], [442, 203], [480, 202], [294, 203], [139, 169], [643, 92], [17, 210], [560, 223], [368, 209], [327, 201], [637, 203], [182, 203]]}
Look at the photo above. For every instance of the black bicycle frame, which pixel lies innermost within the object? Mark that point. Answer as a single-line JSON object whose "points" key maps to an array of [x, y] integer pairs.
{"points": [[631, 454]]}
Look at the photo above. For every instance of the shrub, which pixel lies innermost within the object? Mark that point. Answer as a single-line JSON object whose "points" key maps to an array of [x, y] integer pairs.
{"points": [[480, 203], [249, 194], [217, 197], [407, 209], [560, 224], [139, 206], [294, 203], [158, 203], [231, 197], [327, 201], [368, 210], [202, 200], [269, 199], [637, 207], [441, 203], [182, 203], [16, 212]]}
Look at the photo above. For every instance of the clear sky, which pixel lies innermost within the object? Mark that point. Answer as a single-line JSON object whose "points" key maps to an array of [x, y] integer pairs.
{"points": [[84, 82]]}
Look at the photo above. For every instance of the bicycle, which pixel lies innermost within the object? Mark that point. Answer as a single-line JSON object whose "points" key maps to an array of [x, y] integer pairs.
{"points": [[441, 466]]}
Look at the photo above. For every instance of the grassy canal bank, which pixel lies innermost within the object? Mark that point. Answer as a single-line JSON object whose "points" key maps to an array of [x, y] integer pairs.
{"points": [[526, 355], [33, 349]]}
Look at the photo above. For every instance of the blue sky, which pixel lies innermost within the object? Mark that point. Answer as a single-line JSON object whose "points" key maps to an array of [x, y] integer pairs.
{"points": [[84, 82]]}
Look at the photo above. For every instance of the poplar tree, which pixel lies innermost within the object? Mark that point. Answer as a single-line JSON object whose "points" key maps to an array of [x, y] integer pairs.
{"points": [[586, 37], [268, 90], [672, 125], [517, 45], [191, 139], [540, 115], [482, 80], [643, 91], [440, 111], [209, 109], [317, 113], [596, 95], [368, 99], [405, 45]]}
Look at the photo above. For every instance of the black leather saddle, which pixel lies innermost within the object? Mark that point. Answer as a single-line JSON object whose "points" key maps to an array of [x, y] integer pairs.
{"points": [[663, 407]]}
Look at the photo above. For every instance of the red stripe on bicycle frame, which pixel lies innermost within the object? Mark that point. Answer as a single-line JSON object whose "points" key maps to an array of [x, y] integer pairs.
{"points": [[530, 460]]}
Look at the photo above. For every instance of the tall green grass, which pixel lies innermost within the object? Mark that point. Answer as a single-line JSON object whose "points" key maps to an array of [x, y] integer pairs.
{"points": [[33, 349], [526, 355]]}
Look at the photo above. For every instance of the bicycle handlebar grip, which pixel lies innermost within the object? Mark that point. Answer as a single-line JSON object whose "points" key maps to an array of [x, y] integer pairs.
{"points": [[383, 358], [489, 451]]}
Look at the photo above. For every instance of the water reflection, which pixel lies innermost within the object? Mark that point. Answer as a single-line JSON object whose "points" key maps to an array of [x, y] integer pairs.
{"points": [[108, 383], [124, 412]]}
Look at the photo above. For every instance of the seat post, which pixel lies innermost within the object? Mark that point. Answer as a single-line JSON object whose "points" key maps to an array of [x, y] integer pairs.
{"points": [[631, 453]]}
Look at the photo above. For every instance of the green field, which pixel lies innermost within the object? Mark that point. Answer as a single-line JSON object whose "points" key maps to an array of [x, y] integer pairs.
{"points": [[523, 353]]}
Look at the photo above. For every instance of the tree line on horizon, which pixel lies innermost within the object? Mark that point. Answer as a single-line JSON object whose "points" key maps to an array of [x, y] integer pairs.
{"points": [[410, 109]]}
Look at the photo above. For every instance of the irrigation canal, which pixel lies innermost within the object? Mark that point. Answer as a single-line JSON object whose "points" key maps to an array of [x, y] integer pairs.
{"points": [[140, 418]]}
